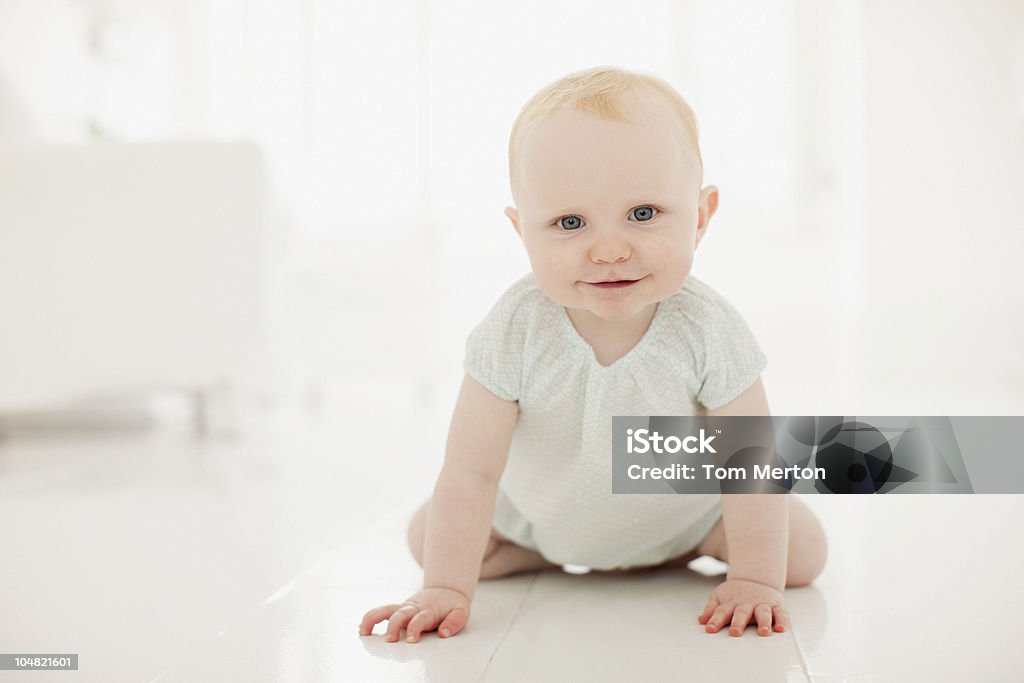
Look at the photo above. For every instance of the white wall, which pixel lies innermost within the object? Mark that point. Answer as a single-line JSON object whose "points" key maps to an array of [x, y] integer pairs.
{"points": [[944, 292]]}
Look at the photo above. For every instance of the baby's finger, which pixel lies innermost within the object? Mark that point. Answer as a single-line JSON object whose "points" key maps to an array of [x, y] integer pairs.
{"points": [[398, 621], [709, 609], [781, 618], [374, 616], [763, 613], [740, 619], [423, 621], [453, 623], [719, 618]]}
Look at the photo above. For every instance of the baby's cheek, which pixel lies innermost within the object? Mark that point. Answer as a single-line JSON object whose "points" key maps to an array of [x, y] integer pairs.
{"points": [[552, 269], [553, 280], [674, 265], [539, 265]]}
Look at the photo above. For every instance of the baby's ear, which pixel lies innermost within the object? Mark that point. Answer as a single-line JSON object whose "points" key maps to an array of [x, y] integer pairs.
{"points": [[707, 204], [513, 216]]}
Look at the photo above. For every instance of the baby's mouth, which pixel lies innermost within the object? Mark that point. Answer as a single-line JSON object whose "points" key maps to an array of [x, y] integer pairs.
{"points": [[614, 284]]}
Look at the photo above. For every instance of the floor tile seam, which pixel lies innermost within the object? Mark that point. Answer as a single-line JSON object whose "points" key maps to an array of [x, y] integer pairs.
{"points": [[805, 666], [508, 628]]}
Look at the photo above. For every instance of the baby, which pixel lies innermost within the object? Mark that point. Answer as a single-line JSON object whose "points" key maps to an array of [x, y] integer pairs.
{"points": [[606, 176]]}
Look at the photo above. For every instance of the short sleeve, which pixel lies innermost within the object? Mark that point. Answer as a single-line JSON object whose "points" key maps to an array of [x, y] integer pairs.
{"points": [[494, 349], [733, 358]]}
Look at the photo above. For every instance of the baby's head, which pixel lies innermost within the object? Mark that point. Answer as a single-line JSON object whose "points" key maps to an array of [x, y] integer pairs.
{"points": [[606, 176]]}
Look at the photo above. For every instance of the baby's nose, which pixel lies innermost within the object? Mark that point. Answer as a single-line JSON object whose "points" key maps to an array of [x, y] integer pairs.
{"points": [[610, 249]]}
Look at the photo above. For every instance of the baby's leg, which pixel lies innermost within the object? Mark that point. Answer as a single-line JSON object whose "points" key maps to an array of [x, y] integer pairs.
{"points": [[501, 557], [807, 545]]}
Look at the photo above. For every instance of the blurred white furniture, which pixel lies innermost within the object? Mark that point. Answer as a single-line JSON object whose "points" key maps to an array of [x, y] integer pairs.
{"points": [[125, 268]]}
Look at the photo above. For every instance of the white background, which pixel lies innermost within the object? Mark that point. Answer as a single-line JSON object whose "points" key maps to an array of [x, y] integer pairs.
{"points": [[869, 155], [324, 228]]}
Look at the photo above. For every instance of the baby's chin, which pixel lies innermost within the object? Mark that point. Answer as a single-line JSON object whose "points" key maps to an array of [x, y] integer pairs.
{"points": [[609, 311], [618, 313]]}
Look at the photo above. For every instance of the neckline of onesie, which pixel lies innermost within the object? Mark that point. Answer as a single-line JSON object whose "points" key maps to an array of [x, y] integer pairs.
{"points": [[588, 350]]}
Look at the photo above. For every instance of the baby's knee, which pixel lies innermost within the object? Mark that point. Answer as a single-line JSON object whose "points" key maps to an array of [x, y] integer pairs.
{"points": [[417, 531], [805, 568]]}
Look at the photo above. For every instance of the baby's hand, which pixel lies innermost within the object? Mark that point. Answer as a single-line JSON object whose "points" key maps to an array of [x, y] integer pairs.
{"points": [[740, 599], [444, 609]]}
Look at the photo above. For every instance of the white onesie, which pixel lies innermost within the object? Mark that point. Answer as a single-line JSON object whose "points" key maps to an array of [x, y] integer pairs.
{"points": [[555, 495]]}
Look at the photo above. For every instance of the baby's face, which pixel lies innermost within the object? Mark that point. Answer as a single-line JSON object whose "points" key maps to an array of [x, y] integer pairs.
{"points": [[610, 212]]}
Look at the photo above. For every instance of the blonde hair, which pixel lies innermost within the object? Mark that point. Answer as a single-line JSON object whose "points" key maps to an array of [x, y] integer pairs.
{"points": [[597, 91]]}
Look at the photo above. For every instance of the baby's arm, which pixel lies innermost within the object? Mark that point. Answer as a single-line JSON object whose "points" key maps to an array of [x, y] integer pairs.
{"points": [[757, 533], [459, 518]]}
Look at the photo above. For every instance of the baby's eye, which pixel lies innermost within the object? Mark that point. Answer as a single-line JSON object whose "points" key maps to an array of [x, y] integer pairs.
{"points": [[644, 213], [570, 223]]}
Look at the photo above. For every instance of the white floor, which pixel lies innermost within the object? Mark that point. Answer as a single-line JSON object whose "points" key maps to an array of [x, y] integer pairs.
{"points": [[164, 557]]}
